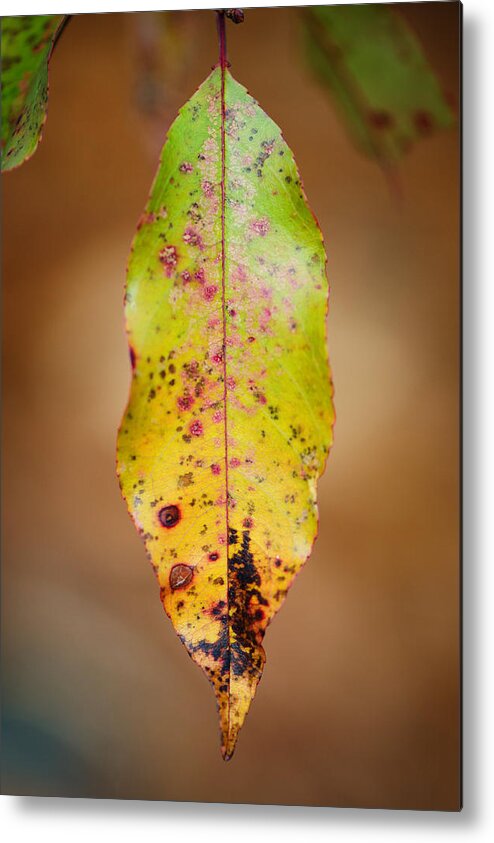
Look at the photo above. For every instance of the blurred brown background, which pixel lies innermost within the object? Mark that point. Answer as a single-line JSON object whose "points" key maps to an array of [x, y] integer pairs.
{"points": [[359, 703]]}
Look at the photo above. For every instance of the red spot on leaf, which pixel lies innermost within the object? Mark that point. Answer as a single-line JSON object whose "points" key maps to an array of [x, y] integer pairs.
{"points": [[200, 276], [230, 382], [260, 227], [210, 292], [185, 402], [186, 167], [215, 468], [145, 219], [192, 238], [196, 428], [235, 462], [169, 257], [191, 370], [258, 395]]}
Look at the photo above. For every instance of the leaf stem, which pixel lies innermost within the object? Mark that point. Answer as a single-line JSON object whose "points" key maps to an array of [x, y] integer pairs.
{"points": [[220, 20]]}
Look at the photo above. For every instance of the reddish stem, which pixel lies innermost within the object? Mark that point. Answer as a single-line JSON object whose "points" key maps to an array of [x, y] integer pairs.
{"points": [[222, 39]]}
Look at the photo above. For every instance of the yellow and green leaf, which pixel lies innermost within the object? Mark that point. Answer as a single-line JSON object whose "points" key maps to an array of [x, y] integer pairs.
{"points": [[27, 43], [374, 66], [230, 415]]}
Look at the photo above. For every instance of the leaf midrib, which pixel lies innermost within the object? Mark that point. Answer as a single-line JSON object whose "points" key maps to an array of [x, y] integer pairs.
{"points": [[223, 307]]}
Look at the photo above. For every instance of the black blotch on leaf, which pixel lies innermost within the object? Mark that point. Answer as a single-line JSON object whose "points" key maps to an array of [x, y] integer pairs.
{"points": [[242, 655]]}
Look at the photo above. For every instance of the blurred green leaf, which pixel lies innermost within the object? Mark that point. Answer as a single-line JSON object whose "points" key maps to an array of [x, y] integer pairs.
{"points": [[27, 43], [374, 66]]}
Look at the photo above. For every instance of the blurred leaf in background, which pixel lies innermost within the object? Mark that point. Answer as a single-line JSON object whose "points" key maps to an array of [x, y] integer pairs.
{"points": [[375, 69], [162, 48], [163, 43], [27, 43]]}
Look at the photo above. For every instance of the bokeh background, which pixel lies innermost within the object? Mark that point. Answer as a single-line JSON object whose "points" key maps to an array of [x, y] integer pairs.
{"points": [[359, 703]]}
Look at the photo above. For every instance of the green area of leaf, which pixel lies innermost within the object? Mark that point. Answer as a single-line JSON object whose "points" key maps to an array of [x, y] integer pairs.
{"points": [[26, 46], [374, 66]]}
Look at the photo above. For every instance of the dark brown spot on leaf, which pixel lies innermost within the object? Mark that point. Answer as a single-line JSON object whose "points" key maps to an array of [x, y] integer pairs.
{"points": [[180, 576], [169, 515]]}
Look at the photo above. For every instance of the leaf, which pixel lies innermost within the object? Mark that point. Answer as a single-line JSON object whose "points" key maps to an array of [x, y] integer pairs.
{"points": [[229, 420], [374, 66], [27, 43]]}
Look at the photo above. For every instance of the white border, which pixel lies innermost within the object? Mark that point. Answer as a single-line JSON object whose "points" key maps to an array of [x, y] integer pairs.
{"points": [[74, 820], [35, 7]]}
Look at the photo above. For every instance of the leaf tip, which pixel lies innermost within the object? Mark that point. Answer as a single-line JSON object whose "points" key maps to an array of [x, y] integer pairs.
{"points": [[228, 743]]}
